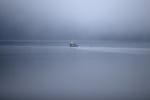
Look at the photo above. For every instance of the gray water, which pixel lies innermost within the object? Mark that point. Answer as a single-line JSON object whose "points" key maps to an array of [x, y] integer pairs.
{"points": [[91, 71]]}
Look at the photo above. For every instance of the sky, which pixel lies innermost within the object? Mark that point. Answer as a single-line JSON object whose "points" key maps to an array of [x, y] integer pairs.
{"points": [[74, 19]]}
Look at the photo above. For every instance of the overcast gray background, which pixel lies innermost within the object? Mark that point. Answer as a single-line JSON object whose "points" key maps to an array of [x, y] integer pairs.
{"points": [[74, 19], [95, 69]]}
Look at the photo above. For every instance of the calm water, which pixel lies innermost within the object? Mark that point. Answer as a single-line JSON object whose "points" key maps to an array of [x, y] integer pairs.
{"points": [[102, 70]]}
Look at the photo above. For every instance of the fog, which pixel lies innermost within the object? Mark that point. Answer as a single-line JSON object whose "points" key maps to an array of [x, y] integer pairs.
{"points": [[74, 19], [75, 49]]}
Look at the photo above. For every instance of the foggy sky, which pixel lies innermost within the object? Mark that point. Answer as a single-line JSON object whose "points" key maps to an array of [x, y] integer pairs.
{"points": [[74, 19]]}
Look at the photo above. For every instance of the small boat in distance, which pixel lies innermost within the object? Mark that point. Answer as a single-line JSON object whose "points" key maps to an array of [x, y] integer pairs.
{"points": [[73, 44]]}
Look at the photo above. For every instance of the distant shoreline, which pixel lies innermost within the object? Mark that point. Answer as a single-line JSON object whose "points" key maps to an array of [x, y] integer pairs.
{"points": [[88, 43]]}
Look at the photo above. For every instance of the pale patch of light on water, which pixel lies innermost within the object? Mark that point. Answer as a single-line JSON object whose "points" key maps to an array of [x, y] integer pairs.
{"points": [[124, 50]]}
